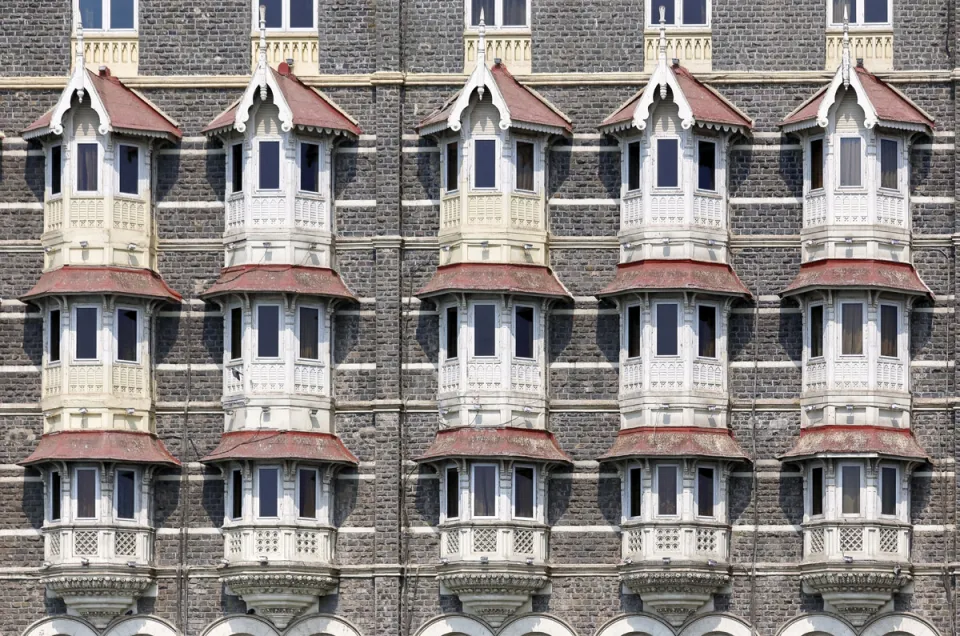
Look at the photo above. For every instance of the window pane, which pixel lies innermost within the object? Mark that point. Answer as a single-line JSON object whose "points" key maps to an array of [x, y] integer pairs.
{"points": [[888, 490], [838, 6], [484, 330], [667, 5], [875, 11], [667, 157], [523, 493], [852, 329], [268, 331], [129, 169], [91, 14], [121, 14], [705, 492], [268, 495], [485, 163], [56, 168], [310, 167], [453, 167], [484, 491], [851, 490], [636, 491], [88, 323], [634, 332], [310, 333], [694, 12], [816, 331], [633, 165], [87, 168], [308, 494], [707, 332], [489, 12], [524, 166], [816, 491], [453, 493], [514, 12], [236, 333], [301, 14], [53, 335], [86, 493], [274, 13], [667, 344], [707, 166], [236, 165], [889, 161], [56, 496], [269, 165], [667, 490], [126, 493], [523, 329], [453, 332], [850, 161], [888, 330], [127, 335], [816, 164], [236, 510]]}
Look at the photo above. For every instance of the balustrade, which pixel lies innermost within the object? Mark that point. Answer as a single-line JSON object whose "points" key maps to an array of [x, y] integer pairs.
{"points": [[278, 542], [496, 541], [653, 541], [302, 48], [694, 49], [114, 544], [873, 45], [854, 209], [120, 52], [671, 209], [305, 378], [824, 541], [513, 47]]}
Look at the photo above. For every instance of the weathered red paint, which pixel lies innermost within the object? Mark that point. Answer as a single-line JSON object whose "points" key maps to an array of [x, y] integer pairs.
{"points": [[490, 442], [856, 440], [681, 275], [116, 446], [102, 279], [281, 445], [531, 280], [650, 441], [290, 279], [853, 273]]}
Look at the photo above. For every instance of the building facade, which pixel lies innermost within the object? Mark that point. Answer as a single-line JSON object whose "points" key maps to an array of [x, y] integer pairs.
{"points": [[482, 318]]}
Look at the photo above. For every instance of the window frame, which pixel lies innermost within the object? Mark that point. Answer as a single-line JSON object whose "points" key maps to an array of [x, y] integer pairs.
{"points": [[716, 165], [256, 490], [533, 336], [106, 18], [810, 493], [656, 328], [808, 167], [54, 495], [231, 494], [627, 331], [899, 166], [716, 490], [841, 479], [73, 334], [496, 493], [445, 166], [838, 186], [628, 493], [717, 330], [900, 331], [284, 20], [823, 329], [896, 490], [516, 166], [229, 330], [856, 22], [627, 165], [320, 359], [513, 493], [446, 492], [678, 488], [281, 160], [48, 340], [75, 495], [116, 335], [316, 494], [445, 339], [301, 143], [653, 18], [281, 330], [497, 23], [473, 330], [232, 167], [136, 495], [656, 164], [75, 160], [51, 195], [497, 156], [141, 170], [864, 320]]}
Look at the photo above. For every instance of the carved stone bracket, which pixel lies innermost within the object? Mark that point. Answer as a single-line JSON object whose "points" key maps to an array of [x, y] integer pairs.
{"points": [[492, 592], [279, 595], [674, 592], [857, 593], [97, 595]]}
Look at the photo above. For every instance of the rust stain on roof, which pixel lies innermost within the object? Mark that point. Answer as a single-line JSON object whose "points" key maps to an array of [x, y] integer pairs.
{"points": [[682, 275], [649, 441], [274, 444], [482, 442], [836, 439], [118, 446], [857, 273]]}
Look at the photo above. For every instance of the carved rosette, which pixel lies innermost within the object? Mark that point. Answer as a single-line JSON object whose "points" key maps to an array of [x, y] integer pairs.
{"points": [[673, 593], [855, 593], [279, 596], [492, 592], [98, 596]]}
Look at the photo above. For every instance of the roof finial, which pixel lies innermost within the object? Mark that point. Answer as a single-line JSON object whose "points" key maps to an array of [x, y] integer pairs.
{"points": [[79, 62], [481, 48], [262, 53], [662, 60], [845, 61]]}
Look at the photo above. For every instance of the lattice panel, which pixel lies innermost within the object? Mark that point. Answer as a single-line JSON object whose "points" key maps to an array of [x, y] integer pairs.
{"points": [[267, 541], [86, 213], [125, 544], [55, 544], [668, 539], [708, 211], [635, 542], [851, 539], [86, 543], [525, 377], [816, 541], [129, 215], [453, 542], [236, 544], [523, 541], [308, 543], [706, 540], [889, 540], [309, 213], [485, 540]]}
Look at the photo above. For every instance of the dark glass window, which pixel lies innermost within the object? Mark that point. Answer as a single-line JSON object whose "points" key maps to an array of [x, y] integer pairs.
{"points": [[484, 491], [274, 17], [523, 330], [86, 493], [127, 335], [301, 14], [310, 167], [88, 323], [56, 169], [236, 333], [633, 165], [850, 161], [453, 333], [91, 14], [667, 490], [453, 167], [852, 329], [236, 167], [669, 14], [308, 493], [636, 491], [707, 332], [129, 169], [489, 12], [53, 336], [849, 5], [668, 163], [121, 14], [694, 12], [816, 491], [484, 330], [816, 331], [889, 164], [525, 166], [888, 490], [269, 165], [707, 166], [236, 504], [56, 495], [88, 168], [269, 494], [453, 493], [485, 163], [850, 476], [126, 493], [268, 331], [309, 333], [634, 332], [889, 320], [667, 330], [873, 11], [523, 494], [705, 487], [514, 12], [816, 164]]}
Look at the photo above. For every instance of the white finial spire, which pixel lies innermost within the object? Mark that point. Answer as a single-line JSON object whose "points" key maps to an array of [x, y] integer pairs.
{"points": [[662, 58], [79, 63], [845, 61], [481, 48], [262, 53]]}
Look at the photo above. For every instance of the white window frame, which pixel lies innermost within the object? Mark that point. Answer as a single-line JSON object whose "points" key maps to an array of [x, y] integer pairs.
{"points": [[899, 188], [536, 333], [497, 160], [808, 329], [656, 164], [626, 331], [900, 331], [513, 487], [445, 494], [228, 328], [285, 21], [105, 4], [116, 335], [857, 20], [838, 162], [256, 490], [316, 494], [49, 170], [653, 21], [281, 330], [696, 330], [243, 175], [47, 345], [75, 498], [444, 160], [628, 492], [136, 495], [75, 163], [228, 512], [656, 491], [73, 335], [320, 359], [536, 165], [809, 489], [54, 494], [444, 328], [716, 490], [282, 160], [896, 490], [864, 322], [497, 22], [808, 164], [141, 171], [472, 321], [473, 485], [320, 151], [656, 327], [716, 165], [840, 484], [626, 165]]}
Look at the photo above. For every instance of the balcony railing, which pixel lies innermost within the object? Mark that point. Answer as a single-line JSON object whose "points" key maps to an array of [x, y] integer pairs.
{"points": [[693, 47], [496, 541], [706, 211], [824, 541], [98, 544], [119, 52], [671, 375], [854, 375], [512, 46], [286, 543], [873, 45], [854, 209], [305, 378], [272, 212], [125, 380], [526, 376], [302, 48], [649, 541]]}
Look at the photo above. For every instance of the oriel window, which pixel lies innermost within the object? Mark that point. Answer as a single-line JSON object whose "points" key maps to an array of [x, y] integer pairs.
{"points": [[484, 491], [816, 164], [56, 170], [127, 336], [633, 166], [525, 166], [54, 329], [888, 490], [634, 332], [667, 328], [86, 332], [636, 492], [309, 167], [523, 332], [484, 330], [453, 493], [307, 486], [850, 489], [707, 331], [86, 493], [816, 491], [236, 333], [128, 170], [269, 160], [524, 492], [452, 175], [889, 164], [236, 168], [668, 163], [268, 331], [126, 494], [667, 490], [705, 491], [850, 162], [485, 163], [889, 323], [453, 332], [269, 492], [309, 333], [707, 166], [88, 167], [852, 336], [816, 331]]}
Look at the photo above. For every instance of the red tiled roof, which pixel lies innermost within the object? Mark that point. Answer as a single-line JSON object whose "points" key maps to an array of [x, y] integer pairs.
{"points": [[103, 279], [272, 444], [857, 273], [856, 440], [888, 102], [649, 441], [117, 446], [488, 442], [127, 110], [290, 279], [685, 274], [533, 280], [310, 108]]}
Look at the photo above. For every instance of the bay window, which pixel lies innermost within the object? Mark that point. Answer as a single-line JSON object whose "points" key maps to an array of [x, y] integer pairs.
{"points": [[484, 330], [87, 492], [707, 331], [268, 160], [268, 331], [860, 12], [850, 484], [108, 15], [54, 331], [851, 161], [126, 494], [236, 494], [127, 329], [307, 493], [817, 491], [678, 12], [667, 326], [485, 490], [525, 171], [485, 159], [309, 333], [706, 491], [287, 14], [889, 164], [707, 166], [816, 331], [524, 492], [56, 170], [851, 341], [635, 492], [523, 332], [634, 332], [268, 493], [889, 330], [452, 332], [128, 169], [453, 493], [86, 332], [889, 487], [88, 167], [236, 168], [816, 163], [452, 172], [309, 167], [668, 163], [633, 166], [499, 13], [667, 490]]}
